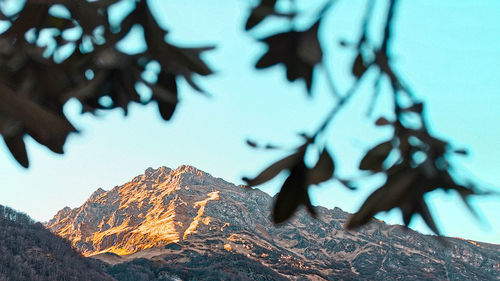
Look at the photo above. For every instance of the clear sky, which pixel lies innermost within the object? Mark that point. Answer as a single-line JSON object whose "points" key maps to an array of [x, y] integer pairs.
{"points": [[447, 50]]}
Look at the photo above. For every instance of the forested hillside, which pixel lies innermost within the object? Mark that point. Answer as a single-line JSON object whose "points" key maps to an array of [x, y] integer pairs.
{"points": [[30, 252]]}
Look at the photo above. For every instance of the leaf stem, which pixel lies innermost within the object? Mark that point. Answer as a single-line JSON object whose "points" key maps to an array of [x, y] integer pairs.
{"points": [[330, 82], [342, 102]]}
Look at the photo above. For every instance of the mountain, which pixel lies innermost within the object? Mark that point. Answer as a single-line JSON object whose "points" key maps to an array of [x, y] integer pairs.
{"points": [[185, 224], [28, 251]]}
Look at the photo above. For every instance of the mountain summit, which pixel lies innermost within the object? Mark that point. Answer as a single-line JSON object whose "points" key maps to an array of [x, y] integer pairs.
{"points": [[153, 210], [179, 220]]}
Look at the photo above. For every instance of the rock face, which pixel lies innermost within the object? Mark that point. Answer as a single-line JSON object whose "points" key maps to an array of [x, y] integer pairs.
{"points": [[179, 219]]}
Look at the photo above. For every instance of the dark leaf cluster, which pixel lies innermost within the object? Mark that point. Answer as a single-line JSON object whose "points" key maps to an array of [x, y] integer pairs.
{"points": [[294, 191], [414, 161], [421, 166], [37, 80], [260, 12], [299, 51]]}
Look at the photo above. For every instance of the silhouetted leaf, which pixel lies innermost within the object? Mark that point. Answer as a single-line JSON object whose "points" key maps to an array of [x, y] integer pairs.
{"points": [[16, 146], [309, 207], [464, 195], [123, 89], [299, 51], [382, 121], [88, 90], [166, 100], [191, 58], [165, 93], [292, 194], [270, 172], [323, 170], [251, 143], [388, 196], [173, 59], [439, 146], [125, 26], [426, 216], [446, 182], [376, 156], [96, 69], [271, 146], [367, 210], [44, 126], [461, 151], [59, 23], [417, 108], [265, 8], [89, 15], [268, 146], [32, 15], [281, 49], [3, 16], [309, 48], [358, 67]]}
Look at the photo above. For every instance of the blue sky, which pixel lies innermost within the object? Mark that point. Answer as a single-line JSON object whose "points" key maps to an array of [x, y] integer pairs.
{"points": [[448, 51]]}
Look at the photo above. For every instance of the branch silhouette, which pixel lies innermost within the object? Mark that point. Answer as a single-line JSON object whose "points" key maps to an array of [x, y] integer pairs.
{"points": [[36, 81]]}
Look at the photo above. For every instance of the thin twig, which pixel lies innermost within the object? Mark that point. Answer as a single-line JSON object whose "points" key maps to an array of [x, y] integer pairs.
{"points": [[344, 99], [388, 27], [366, 21], [376, 94], [326, 8], [330, 82], [342, 102]]}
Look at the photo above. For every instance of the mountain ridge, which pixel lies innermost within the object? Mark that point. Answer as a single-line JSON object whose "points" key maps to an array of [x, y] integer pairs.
{"points": [[185, 216]]}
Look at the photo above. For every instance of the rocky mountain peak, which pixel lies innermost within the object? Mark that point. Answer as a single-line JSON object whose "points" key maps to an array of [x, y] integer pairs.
{"points": [[158, 207], [158, 174], [190, 170], [96, 194], [61, 214], [186, 174], [181, 214]]}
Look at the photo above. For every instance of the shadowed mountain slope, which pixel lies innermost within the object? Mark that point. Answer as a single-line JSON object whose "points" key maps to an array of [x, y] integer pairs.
{"points": [[28, 251]]}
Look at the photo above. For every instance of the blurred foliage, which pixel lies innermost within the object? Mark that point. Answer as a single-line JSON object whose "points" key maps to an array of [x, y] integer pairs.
{"points": [[413, 160], [35, 83]]}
